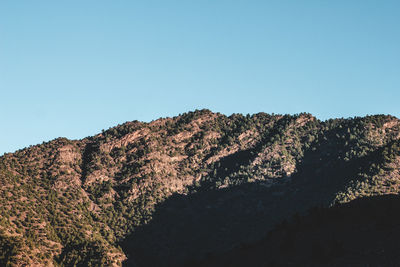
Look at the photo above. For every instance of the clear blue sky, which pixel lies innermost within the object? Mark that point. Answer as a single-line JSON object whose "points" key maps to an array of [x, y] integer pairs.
{"points": [[72, 68]]}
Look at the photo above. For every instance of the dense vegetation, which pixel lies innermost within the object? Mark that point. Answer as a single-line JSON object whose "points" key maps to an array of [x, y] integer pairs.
{"points": [[363, 232], [176, 190]]}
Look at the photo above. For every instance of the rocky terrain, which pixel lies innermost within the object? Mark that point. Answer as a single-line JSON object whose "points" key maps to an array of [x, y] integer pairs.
{"points": [[188, 189]]}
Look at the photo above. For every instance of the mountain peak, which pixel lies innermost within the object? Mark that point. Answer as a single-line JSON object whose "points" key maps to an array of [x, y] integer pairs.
{"points": [[144, 193]]}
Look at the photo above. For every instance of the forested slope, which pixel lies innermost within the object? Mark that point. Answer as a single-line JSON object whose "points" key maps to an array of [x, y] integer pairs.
{"points": [[176, 190]]}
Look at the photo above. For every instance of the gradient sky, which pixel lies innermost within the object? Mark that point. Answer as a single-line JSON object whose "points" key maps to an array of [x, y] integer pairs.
{"points": [[72, 68]]}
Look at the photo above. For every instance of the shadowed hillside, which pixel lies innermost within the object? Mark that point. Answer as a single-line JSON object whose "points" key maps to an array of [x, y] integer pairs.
{"points": [[177, 190], [363, 232]]}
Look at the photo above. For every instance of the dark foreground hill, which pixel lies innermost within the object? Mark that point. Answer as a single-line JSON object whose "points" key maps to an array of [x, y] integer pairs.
{"points": [[179, 190], [363, 232]]}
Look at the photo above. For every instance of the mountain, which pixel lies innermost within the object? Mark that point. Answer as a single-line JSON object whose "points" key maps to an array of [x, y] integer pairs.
{"points": [[178, 191], [363, 232]]}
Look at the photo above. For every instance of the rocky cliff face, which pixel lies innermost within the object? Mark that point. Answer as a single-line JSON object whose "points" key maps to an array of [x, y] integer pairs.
{"points": [[176, 189]]}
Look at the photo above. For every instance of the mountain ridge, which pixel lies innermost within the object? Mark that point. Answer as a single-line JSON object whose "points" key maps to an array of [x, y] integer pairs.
{"points": [[95, 200]]}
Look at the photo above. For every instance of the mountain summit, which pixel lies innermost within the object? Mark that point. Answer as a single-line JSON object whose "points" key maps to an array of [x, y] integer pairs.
{"points": [[177, 191]]}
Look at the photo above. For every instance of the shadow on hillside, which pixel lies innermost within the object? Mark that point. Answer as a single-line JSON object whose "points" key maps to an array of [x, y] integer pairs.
{"points": [[364, 232], [189, 227], [192, 227]]}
